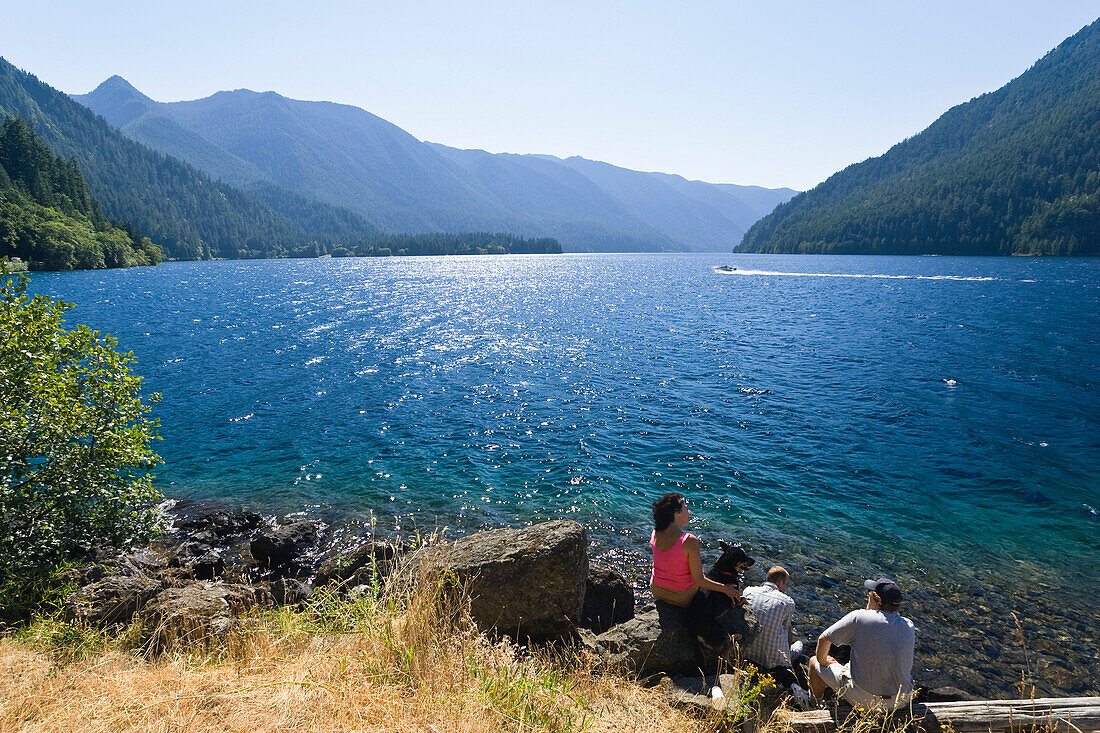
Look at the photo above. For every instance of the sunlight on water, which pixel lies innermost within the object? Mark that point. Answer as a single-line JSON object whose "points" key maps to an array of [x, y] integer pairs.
{"points": [[935, 418], [856, 275]]}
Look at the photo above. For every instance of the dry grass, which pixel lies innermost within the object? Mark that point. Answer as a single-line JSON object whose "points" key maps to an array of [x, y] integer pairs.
{"points": [[364, 665]]}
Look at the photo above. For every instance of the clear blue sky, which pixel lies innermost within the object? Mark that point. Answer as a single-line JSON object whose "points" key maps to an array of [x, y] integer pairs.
{"points": [[770, 93]]}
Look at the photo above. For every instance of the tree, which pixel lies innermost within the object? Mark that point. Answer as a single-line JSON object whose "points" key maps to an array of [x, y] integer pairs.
{"points": [[74, 441]]}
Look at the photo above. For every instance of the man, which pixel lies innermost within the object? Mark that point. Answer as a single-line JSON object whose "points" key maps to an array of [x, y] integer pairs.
{"points": [[879, 673], [774, 648]]}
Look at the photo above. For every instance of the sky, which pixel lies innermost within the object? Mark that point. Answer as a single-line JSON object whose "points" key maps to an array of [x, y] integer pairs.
{"points": [[770, 93]]}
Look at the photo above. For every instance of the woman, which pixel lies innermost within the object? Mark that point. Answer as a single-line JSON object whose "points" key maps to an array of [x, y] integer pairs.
{"points": [[677, 567]]}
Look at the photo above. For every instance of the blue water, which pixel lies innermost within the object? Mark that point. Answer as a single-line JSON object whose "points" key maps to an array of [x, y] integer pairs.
{"points": [[934, 418]]}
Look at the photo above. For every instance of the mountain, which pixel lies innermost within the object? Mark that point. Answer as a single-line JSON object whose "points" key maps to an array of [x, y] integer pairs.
{"points": [[1015, 171], [347, 157], [49, 219], [176, 205]]}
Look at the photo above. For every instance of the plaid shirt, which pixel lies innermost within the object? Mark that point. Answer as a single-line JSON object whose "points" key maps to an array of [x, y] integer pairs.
{"points": [[774, 610]]}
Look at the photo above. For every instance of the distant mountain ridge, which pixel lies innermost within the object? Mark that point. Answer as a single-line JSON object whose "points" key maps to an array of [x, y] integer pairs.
{"points": [[347, 157], [1015, 171], [176, 205]]}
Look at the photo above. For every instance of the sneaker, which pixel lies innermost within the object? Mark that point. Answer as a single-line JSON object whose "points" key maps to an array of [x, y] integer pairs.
{"points": [[802, 698]]}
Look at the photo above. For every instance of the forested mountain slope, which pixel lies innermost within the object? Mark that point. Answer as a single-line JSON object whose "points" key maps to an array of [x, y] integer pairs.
{"points": [[49, 219], [180, 208], [1015, 171], [348, 157]]}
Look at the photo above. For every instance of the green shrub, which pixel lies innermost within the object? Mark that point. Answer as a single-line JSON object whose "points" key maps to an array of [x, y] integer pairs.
{"points": [[74, 442]]}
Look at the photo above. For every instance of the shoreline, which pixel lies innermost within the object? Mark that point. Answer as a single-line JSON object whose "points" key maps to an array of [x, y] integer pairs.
{"points": [[975, 636]]}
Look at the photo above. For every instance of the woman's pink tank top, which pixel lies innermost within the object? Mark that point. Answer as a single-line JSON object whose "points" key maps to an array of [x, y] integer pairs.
{"points": [[670, 568]]}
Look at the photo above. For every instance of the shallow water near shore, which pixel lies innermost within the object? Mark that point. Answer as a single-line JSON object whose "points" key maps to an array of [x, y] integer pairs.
{"points": [[935, 419]]}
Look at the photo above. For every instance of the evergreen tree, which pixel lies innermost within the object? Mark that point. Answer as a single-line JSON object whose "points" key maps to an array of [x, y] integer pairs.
{"points": [[1016, 171], [47, 216]]}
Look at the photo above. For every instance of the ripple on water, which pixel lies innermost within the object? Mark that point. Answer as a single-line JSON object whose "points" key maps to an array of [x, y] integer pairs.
{"points": [[930, 418]]}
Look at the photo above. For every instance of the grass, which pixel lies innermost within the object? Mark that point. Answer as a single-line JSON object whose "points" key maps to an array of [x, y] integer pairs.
{"points": [[366, 663]]}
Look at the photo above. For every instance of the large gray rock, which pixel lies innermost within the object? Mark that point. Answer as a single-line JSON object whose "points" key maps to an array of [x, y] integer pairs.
{"points": [[525, 582], [285, 545], [640, 646], [196, 616], [608, 600], [114, 599], [643, 647]]}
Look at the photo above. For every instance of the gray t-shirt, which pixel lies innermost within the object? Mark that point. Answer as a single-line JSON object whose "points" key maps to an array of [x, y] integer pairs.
{"points": [[882, 649]]}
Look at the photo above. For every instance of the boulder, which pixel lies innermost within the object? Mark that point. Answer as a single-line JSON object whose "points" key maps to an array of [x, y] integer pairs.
{"points": [[201, 560], [218, 520], [696, 694], [113, 599], [525, 582], [640, 646], [196, 616], [371, 562], [608, 600], [288, 591], [285, 545]]}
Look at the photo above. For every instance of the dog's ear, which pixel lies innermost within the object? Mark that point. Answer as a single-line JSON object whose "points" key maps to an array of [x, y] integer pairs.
{"points": [[726, 547]]}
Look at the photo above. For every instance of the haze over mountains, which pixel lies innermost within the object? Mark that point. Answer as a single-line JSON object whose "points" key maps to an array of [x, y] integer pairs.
{"points": [[247, 174], [1015, 171], [349, 158], [178, 207]]}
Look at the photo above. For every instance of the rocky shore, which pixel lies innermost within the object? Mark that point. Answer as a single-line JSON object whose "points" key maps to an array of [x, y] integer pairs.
{"points": [[216, 564]]}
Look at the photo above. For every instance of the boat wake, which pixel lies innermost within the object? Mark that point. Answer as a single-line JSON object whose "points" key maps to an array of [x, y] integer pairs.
{"points": [[855, 275]]}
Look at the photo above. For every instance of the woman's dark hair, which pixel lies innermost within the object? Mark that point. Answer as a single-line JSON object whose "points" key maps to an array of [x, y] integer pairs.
{"points": [[665, 508]]}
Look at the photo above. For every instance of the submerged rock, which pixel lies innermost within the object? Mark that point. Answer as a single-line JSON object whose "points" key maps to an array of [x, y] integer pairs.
{"points": [[218, 520], [946, 693]]}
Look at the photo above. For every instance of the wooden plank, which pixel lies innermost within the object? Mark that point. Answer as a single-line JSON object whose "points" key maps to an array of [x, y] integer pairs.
{"points": [[1067, 715], [812, 721], [980, 716]]}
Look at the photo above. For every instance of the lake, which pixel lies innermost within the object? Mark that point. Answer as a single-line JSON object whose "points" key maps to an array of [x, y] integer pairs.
{"points": [[935, 419]]}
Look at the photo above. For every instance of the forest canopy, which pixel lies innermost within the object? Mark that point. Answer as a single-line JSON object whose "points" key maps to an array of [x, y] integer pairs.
{"points": [[191, 216], [1016, 171], [48, 218]]}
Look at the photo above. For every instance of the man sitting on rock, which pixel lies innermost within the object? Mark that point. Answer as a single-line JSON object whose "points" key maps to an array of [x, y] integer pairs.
{"points": [[878, 677], [773, 648]]}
